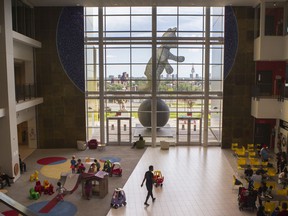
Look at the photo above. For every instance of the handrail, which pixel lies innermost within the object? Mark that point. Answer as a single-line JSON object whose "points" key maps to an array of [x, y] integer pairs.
{"points": [[25, 92], [16, 205]]}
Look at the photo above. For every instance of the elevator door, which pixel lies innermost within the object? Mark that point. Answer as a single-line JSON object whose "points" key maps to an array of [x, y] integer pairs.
{"points": [[118, 130], [189, 131]]}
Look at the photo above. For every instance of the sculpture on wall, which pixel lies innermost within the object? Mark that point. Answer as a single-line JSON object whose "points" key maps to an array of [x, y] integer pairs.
{"points": [[162, 56]]}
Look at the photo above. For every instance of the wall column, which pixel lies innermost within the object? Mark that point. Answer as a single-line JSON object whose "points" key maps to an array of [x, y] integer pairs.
{"points": [[8, 124]]}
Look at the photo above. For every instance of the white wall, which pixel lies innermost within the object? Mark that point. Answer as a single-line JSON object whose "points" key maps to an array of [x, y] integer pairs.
{"points": [[284, 111], [25, 53], [271, 48], [268, 108]]}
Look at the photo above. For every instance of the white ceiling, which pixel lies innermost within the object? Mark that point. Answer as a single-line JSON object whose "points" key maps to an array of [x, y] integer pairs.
{"points": [[91, 3]]}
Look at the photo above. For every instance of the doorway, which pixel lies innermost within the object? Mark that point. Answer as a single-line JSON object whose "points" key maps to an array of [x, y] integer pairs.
{"points": [[189, 130], [22, 133], [263, 134], [118, 130]]}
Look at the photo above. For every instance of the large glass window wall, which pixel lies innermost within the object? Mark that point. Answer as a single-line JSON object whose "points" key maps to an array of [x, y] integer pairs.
{"points": [[135, 54]]}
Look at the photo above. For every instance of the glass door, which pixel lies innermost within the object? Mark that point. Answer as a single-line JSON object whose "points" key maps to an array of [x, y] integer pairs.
{"points": [[189, 131], [118, 130]]}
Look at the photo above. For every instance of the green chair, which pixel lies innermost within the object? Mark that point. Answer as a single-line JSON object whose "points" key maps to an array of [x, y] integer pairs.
{"points": [[33, 194], [140, 144]]}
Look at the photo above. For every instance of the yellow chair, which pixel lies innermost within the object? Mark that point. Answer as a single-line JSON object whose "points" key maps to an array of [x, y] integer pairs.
{"points": [[271, 172], [255, 161], [256, 185], [250, 147], [264, 163], [271, 183], [251, 154], [281, 192], [270, 206], [241, 163], [234, 146], [240, 151]]}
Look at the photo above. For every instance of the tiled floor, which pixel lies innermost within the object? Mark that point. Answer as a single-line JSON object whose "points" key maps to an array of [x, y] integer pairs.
{"points": [[197, 181]]}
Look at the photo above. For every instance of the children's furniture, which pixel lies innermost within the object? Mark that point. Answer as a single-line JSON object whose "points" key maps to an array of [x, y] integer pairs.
{"points": [[92, 144], [81, 145], [140, 144], [164, 145]]}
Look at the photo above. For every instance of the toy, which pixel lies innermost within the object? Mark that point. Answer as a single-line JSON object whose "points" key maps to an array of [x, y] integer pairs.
{"points": [[107, 166], [34, 194], [158, 178], [92, 144], [50, 190], [34, 176], [38, 187], [47, 188], [116, 169], [45, 184], [118, 198]]}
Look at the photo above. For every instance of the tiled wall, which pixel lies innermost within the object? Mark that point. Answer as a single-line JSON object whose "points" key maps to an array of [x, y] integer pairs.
{"points": [[61, 118], [237, 119]]}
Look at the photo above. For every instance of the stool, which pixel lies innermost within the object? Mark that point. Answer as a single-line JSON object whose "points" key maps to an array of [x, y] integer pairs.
{"points": [[101, 146], [164, 145]]}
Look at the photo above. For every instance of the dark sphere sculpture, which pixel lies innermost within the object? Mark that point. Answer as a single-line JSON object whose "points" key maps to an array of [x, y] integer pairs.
{"points": [[144, 113]]}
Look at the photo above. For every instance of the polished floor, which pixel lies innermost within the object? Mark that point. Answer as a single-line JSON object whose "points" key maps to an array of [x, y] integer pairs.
{"points": [[197, 181]]}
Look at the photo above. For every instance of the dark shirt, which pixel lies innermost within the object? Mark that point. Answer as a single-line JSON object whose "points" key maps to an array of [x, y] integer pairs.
{"points": [[262, 189], [248, 172], [282, 165], [261, 213], [260, 171], [149, 178]]}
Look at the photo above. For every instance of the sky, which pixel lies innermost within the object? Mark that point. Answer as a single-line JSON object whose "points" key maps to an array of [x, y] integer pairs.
{"points": [[118, 58]]}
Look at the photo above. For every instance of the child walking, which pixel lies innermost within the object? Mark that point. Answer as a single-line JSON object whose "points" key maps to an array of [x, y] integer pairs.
{"points": [[61, 190]]}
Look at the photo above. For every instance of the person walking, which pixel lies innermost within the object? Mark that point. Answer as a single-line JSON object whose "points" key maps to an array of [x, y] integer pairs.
{"points": [[148, 177]]}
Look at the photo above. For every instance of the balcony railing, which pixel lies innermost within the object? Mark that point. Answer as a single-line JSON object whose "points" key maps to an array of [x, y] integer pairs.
{"points": [[25, 92]]}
